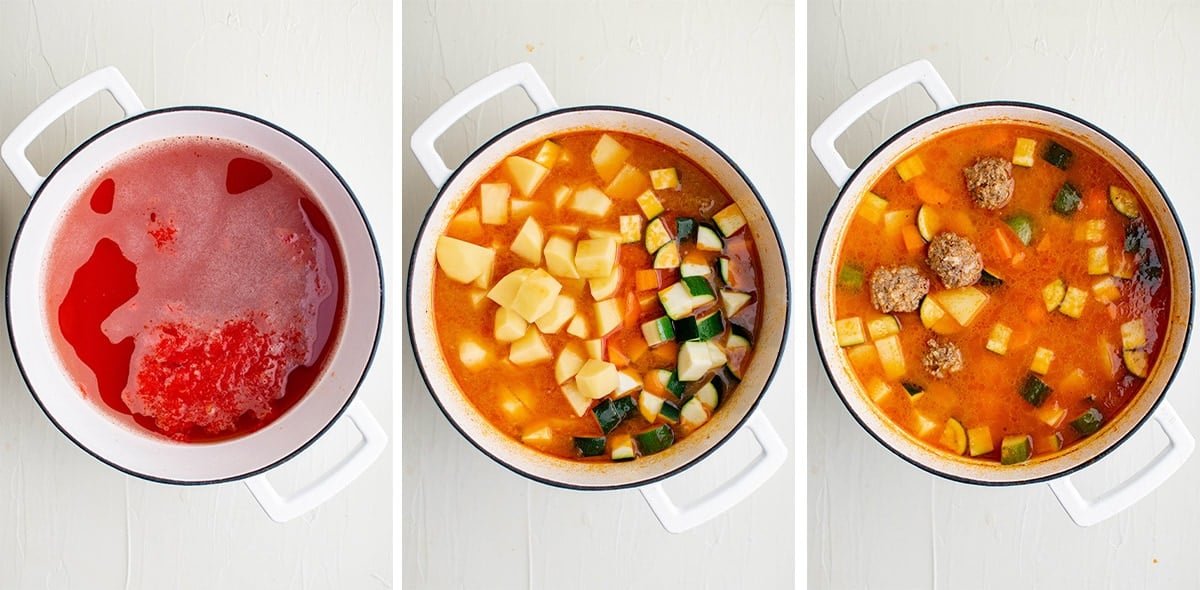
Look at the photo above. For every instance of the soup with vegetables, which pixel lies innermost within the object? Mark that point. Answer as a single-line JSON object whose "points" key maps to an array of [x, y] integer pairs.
{"points": [[1001, 293], [597, 297]]}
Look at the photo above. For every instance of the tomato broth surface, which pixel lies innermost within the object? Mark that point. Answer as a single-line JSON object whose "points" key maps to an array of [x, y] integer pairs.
{"points": [[1049, 341], [632, 348], [194, 284]]}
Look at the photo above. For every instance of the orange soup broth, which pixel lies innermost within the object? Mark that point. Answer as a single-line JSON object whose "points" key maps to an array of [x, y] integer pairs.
{"points": [[1087, 368]]}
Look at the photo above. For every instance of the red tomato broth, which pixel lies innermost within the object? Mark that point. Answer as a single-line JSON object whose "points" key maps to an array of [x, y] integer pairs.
{"points": [[206, 349], [986, 391], [698, 196]]}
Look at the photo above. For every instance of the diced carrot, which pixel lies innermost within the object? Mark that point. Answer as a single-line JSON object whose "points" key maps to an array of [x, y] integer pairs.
{"points": [[633, 311], [615, 356], [913, 242], [1018, 258], [929, 192], [667, 351], [646, 280], [1095, 199], [652, 385], [648, 302], [635, 347], [1003, 244], [1043, 244]]}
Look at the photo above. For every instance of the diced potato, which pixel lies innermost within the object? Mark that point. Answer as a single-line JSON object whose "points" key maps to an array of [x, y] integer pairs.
{"points": [[998, 339], [529, 241], [891, 356], [1051, 414], [509, 326], [536, 295], [560, 257], [1106, 291], [608, 156], [631, 229], [594, 348], [561, 195], [925, 426], [1126, 266], [878, 389], [608, 316], [630, 182], [578, 327], [1073, 302], [1074, 381], [511, 405], [605, 287], [730, 219], [580, 403], [1053, 293], [596, 379], [472, 355], [651, 206], [522, 208], [1042, 358], [979, 440], [548, 154], [850, 331], [590, 200], [1138, 362], [910, 168], [505, 290], [872, 207], [880, 326], [665, 178], [462, 261], [962, 303], [893, 221], [539, 435], [599, 232], [1091, 231], [1097, 260], [863, 357], [1133, 334], [1023, 152], [525, 173], [476, 297], [558, 316], [466, 225], [595, 257], [493, 208], [529, 349], [569, 361], [1109, 356]]}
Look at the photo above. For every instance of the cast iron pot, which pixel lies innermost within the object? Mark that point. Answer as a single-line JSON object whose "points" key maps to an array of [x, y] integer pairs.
{"points": [[1055, 469], [454, 187]]}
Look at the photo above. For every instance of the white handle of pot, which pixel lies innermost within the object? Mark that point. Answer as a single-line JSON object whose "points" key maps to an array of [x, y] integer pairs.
{"points": [[22, 136], [521, 74], [918, 72], [1089, 512], [678, 519], [283, 509]]}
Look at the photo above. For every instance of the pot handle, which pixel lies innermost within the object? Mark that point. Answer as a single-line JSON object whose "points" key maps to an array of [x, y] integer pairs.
{"points": [[678, 519], [1089, 512], [520, 74], [283, 509], [918, 72], [22, 136]]}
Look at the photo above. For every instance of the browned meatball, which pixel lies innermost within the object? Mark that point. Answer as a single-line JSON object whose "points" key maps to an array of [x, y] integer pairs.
{"points": [[898, 288], [955, 260], [942, 358], [990, 182]]}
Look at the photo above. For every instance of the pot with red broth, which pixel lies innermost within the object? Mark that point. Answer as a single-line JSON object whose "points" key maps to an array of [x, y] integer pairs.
{"points": [[194, 284], [596, 296], [1000, 293]]}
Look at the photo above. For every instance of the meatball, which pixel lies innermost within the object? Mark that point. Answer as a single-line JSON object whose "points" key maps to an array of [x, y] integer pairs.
{"points": [[955, 260], [990, 182], [942, 358], [898, 288]]}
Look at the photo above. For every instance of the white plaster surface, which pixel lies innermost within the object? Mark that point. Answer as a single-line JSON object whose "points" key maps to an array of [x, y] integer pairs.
{"points": [[874, 521], [726, 71], [319, 69]]}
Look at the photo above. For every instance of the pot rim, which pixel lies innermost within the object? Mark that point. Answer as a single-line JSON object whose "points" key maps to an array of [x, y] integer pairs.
{"points": [[825, 228], [77, 150], [421, 234]]}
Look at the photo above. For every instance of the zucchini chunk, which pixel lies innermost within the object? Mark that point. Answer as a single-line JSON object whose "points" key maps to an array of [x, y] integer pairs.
{"points": [[1124, 201], [954, 436], [669, 412], [729, 220], [667, 257], [1067, 201], [883, 326], [979, 439], [622, 448], [1022, 226], [590, 446], [734, 301], [609, 413], [1057, 156], [693, 414], [700, 291], [684, 228], [710, 326], [708, 240], [686, 329], [1137, 361], [658, 331], [989, 278], [1015, 448], [708, 396], [676, 300], [1034, 390], [850, 277], [654, 440]]}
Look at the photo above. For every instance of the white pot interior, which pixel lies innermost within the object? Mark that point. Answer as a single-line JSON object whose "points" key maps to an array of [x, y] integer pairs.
{"points": [[120, 442], [1177, 266], [512, 453]]}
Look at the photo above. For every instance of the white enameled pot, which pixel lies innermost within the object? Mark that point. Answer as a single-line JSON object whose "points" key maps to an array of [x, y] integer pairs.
{"points": [[643, 473], [1055, 469], [121, 443]]}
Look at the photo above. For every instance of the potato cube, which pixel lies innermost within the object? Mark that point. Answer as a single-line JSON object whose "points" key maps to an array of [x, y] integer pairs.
{"points": [[1073, 302], [536, 295], [476, 297], [910, 168], [570, 360], [596, 379], [525, 173], [558, 316], [891, 356], [599, 232], [462, 261], [505, 290], [630, 182], [650, 205], [606, 287], [631, 229], [466, 225], [561, 195], [472, 355], [529, 349], [579, 403], [1097, 260], [663, 179], [594, 348], [924, 426], [1023, 152], [850, 331], [1091, 231], [522, 208], [608, 157], [493, 197], [590, 200], [511, 405], [962, 303], [878, 389], [1133, 334], [1106, 291], [872, 207], [560, 257], [509, 326], [595, 257], [548, 154], [529, 241], [538, 435], [608, 317], [484, 280], [998, 340], [979, 439], [578, 327], [1041, 361]]}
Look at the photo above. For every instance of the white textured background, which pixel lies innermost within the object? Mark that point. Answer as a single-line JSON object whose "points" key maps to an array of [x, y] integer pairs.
{"points": [[726, 71], [874, 521], [319, 69]]}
